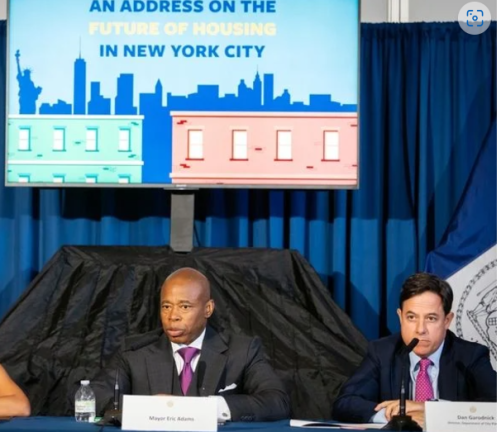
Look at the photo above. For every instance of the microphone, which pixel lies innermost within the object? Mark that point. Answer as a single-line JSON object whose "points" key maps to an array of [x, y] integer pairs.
{"points": [[116, 392], [405, 352], [403, 422], [113, 416]]}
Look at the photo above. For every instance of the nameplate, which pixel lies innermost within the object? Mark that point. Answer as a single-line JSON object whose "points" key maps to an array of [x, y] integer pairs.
{"points": [[460, 416], [169, 413]]}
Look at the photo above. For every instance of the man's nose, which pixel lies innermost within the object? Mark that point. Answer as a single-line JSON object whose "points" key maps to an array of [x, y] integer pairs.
{"points": [[174, 316], [421, 327]]}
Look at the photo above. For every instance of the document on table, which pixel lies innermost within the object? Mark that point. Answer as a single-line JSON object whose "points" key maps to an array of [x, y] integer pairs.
{"points": [[335, 425]]}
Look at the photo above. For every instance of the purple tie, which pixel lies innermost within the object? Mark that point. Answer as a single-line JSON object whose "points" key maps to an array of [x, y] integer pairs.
{"points": [[424, 389], [187, 373]]}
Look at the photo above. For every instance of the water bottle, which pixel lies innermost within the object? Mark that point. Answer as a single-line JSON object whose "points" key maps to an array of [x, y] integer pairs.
{"points": [[85, 403]]}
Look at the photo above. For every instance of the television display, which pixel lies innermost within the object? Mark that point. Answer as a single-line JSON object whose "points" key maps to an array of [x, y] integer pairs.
{"points": [[183, 93]]}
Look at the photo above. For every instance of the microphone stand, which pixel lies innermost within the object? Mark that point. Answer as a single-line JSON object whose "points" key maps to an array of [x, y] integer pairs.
{"points": [[402, 421], [113, 416]]}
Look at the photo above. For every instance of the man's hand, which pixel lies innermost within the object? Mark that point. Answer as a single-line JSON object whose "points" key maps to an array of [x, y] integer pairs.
{"points": [[393, 407]]}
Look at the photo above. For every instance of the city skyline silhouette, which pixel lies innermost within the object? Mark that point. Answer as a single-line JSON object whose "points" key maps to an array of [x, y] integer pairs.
{"points": [[157, 122], [258, 97]]}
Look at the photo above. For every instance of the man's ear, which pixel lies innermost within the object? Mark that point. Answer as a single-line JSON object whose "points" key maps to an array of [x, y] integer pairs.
{"points": [[399, 313], [448, 319], [209, 308]]}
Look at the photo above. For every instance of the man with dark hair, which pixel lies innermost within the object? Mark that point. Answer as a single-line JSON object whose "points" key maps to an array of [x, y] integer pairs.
{"points": [[441, 366], [187, 357]]}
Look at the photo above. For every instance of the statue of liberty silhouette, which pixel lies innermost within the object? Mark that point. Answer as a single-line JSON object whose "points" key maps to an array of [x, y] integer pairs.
{"points": [[28, 93]]}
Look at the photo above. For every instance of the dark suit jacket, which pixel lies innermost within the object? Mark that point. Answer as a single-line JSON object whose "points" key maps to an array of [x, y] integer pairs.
{"points": [[465, 374], [146, 367]]}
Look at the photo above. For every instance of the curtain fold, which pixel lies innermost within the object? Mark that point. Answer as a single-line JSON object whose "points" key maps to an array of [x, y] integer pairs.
{"points": [[428, 98]]}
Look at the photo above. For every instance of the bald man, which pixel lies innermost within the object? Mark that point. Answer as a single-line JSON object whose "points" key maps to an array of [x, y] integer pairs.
{"points": [[189, 358]]}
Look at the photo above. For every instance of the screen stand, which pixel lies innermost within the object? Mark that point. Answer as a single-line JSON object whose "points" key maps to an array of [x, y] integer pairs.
{"points": [[182, 220]]}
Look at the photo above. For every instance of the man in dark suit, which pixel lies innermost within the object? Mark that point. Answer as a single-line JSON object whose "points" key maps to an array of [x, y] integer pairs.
{"points": [[441, 367], [189, 358]]}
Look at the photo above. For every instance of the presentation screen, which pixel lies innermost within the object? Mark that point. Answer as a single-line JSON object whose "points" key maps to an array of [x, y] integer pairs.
{"points": [[183, 93]]}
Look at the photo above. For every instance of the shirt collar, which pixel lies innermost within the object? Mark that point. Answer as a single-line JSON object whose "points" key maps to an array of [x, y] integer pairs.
{"points": [[197, 343], [435, 357]]}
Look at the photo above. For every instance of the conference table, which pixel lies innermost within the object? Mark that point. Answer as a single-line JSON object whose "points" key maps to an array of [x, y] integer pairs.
{"points": [[68, 424]]}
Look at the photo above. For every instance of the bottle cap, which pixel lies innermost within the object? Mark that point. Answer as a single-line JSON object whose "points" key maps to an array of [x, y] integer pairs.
{"points": [[85, 382]]}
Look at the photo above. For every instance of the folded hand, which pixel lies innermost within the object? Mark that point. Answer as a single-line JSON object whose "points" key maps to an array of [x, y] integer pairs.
{"points": [[393, 407]]}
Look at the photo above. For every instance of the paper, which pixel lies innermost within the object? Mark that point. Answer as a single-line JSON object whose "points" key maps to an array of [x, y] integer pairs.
{"points": [[335, 425], [460, 416], [169, 413]]}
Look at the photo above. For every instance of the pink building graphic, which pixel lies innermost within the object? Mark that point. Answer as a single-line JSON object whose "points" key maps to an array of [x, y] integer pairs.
{"points": [[265, 148]]}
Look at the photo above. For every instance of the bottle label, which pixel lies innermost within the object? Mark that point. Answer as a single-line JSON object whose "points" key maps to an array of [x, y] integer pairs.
{"points": [[85, 406]]}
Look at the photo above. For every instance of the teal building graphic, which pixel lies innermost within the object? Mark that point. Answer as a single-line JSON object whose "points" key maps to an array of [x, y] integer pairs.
{"points": [[75, 149]]}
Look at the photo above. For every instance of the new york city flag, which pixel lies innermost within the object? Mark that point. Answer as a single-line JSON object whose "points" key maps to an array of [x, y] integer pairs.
{"points": [[467, 257]]}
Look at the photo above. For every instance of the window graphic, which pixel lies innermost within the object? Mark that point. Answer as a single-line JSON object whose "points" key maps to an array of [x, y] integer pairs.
{"points": [[124, 142], [284, 145], [239, 145], [195, 144], [58, 136], [331, 145], [91, 140], [24, 139]]}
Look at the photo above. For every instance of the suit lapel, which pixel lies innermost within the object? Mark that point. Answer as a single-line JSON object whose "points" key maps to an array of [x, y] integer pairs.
{"points": [[448, 373], [159, 366], [212, 363]]}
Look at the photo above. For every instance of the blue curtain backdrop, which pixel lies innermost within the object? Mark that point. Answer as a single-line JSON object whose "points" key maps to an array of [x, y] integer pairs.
{"points": [[427, 101]]}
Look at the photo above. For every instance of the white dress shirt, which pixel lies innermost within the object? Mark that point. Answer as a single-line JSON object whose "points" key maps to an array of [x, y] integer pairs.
{"points": [[433, 370], [223, 411]]}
